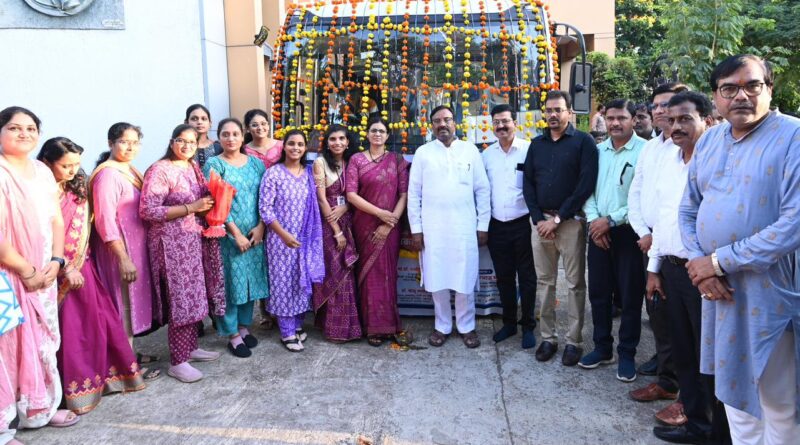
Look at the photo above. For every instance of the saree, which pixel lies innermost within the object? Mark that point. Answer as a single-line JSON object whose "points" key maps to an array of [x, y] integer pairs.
{"points": [[95, 357], [380, 183], [30, 387], [334, 300]]}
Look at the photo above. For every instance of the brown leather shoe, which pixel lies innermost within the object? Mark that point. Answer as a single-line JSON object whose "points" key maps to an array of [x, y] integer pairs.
{"points": [[652, 392], [672, 415]]}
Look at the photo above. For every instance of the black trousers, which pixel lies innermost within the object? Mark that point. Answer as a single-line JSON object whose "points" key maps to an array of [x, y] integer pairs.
{"points": [[620, 270], [659, 323], [512, 256]]}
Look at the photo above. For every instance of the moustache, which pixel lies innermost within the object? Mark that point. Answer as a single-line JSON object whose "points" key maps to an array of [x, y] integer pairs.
{"points": [[499, 129], [742, 107], [679, 133]]}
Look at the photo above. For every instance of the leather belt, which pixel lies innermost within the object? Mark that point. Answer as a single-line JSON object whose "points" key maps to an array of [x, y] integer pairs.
{"points": [[678, 261]]}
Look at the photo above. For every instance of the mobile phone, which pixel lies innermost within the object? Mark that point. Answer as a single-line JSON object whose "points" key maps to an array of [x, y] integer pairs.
{"points": [[656, 300]]}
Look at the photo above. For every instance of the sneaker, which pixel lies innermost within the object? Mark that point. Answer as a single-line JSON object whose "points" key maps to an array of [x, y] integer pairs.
{"points": [[626, 370], [595, 359]]}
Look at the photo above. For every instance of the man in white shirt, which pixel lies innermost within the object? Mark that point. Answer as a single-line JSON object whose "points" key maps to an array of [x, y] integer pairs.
{"points": [[448, 211], [509, 230], [643, 210]]}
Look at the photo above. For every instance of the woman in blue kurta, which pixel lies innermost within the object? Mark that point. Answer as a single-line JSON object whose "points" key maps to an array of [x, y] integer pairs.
{"points": [[242, 250]]}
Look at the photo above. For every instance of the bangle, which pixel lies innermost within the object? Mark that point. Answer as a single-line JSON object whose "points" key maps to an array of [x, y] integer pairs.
{"points": [[337, 235], [717, 268], [33, 274], [187, 209]]}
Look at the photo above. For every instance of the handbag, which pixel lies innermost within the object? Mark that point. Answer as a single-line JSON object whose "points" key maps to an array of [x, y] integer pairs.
{"points": [[10, 312]]}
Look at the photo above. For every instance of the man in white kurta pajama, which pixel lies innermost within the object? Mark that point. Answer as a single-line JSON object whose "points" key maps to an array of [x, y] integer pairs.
{"points": [[449, 210]]}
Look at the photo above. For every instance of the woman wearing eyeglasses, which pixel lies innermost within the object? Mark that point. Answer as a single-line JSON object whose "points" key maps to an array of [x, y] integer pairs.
{"points": [[257, 139], [119, 240], [377, 185], [174, 198]]}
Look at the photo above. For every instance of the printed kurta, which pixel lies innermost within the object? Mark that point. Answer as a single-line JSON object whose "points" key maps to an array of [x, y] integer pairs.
{"points": [[95, 357], [448, 202], [115, 202], [177, 249], [285, 198], [245, 273], [742, 202], [270, 158], [30, 387]]}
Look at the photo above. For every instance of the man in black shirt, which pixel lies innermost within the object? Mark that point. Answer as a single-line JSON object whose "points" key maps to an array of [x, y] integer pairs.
{"points": [[560, 175]]}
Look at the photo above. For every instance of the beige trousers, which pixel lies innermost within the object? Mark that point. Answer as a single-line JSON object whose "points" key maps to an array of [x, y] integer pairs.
{"points": [[570, 245]]}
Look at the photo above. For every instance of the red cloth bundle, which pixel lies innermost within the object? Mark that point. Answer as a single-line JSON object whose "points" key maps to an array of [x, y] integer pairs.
{"points": [[223, 194]]}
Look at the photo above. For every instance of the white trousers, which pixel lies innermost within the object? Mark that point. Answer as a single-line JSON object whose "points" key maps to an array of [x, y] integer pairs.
{"points": [[778, 395], [465, 312]]}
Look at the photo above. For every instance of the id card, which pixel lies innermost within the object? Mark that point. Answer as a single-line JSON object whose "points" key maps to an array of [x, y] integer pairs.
{"points": [[340, 201], [520, 175]]}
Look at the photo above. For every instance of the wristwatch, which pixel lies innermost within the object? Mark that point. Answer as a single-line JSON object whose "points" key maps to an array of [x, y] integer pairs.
{"points": [[557, 220], [611, 221], [61, 262]]}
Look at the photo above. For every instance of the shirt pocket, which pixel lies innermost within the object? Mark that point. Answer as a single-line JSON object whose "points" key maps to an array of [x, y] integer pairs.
{"points": [[464, 172]]}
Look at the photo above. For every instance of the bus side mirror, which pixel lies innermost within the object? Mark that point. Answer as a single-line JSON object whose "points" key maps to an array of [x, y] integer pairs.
{"points": [[580, 87]]}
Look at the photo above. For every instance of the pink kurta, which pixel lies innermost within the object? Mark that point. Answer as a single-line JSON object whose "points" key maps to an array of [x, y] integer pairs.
{"points": [[116, 217], [177, 246], [270, 158]]}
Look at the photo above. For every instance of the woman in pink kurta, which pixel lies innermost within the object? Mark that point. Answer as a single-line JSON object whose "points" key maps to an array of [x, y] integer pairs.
{"points": [[119, 240], [257, 141], [95, 358], [173, 198]]}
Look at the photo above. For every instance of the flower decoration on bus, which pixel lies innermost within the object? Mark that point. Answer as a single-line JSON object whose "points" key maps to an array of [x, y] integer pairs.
{"points": [[344, 61]]}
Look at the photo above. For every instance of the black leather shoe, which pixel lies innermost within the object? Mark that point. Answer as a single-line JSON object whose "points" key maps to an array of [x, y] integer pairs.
{"points": [[546, 351], [678, 434], [572, 354], [649, 367]]}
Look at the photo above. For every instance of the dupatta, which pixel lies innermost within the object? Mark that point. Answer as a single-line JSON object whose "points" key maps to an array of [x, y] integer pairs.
{"points": [[76, 235]]}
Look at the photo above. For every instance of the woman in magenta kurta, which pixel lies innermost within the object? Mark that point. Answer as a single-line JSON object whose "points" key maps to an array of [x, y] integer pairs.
{"points": [[174, 197], [119, 240], [258, 142], [95, 358]]}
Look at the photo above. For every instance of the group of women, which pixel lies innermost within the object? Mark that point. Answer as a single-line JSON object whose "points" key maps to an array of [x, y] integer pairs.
{"points": [[93, 261]]}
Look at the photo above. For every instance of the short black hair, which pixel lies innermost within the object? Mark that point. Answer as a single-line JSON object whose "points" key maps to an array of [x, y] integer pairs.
{"points": [[669, 87], [622, 104], [558, 94], [440, 108], [700, 101], [731, 64], [644, 107], [502, 108]]}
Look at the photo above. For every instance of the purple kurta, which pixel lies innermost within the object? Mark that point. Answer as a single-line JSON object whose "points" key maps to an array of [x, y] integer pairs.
{"points": [[177, 248], [115, 203]]}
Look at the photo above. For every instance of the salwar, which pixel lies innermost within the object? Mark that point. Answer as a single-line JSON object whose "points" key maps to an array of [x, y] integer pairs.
{"points": [[235, 315], [290, 324], [777, 392], [465, 312], [182, 341]]}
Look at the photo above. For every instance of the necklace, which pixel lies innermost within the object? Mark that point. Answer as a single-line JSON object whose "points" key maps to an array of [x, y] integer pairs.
{"points": [[376, 160]]}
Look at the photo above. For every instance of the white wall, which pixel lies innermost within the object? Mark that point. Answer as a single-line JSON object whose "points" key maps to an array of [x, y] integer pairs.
{"points": [[81, 82], [215, 56]]}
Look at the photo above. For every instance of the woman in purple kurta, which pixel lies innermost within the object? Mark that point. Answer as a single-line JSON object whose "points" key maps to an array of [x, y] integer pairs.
{"points": [[173, 198], [335, 299], [94, 358], [119, 240], [288, 206], [377, 185]]}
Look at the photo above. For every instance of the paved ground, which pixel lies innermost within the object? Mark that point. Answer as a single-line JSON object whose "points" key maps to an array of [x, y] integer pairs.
{"points": [[358, 394]]}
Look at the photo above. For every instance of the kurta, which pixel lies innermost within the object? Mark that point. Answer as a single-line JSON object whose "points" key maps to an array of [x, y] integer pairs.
{"points": [[115, 203], [245, 273], [741, 202], [285, 198], [177, 249], [30, 386], [448, 202], [270, 158]]}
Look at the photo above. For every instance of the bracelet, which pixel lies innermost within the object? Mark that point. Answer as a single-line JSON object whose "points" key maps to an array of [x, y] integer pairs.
{"points": [[717, 268], [33, 274], [187, 209], [337, 235]]}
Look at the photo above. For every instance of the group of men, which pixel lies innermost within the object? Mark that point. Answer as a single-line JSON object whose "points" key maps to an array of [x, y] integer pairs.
{"points": [[699, 222]]}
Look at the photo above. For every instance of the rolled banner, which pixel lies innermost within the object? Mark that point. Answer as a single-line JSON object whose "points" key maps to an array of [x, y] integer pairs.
{"points": [[223, 194]]}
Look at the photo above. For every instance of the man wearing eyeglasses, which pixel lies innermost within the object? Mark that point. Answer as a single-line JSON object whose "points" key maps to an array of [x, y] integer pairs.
{"points": [[739, 224], [560, 174], [509, 231], [615, 262], [448, 211], [643, 211]]}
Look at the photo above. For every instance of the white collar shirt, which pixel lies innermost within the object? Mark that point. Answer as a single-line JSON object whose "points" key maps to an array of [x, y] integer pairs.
{"points": [[668, 194], [505, 178], [643, 208]]}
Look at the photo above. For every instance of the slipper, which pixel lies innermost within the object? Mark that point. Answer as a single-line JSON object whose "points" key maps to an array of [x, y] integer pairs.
{"points": [[241, 350], [150, 374], [374, 340], [437, 338], [250, 341], [292, 343], [144, 359], [301, 334], [201, 355], [62, 419], [185, 374], [471, 339]]}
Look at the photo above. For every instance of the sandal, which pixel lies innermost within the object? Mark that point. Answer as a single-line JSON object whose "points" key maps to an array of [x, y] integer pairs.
{"points": [[437, 338], [150, 374], [64, 418], [374, 340], [292, 343], [301, 334], [144, 359], [404, 338], [471, 339]]}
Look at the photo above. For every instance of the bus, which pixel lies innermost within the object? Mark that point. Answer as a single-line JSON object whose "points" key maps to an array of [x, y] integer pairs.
{"points": [[344, 61]]}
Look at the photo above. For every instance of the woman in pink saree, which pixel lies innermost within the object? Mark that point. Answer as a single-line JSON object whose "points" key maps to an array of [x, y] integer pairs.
{"points": [[377, 185], [95, 358], [32, 256]]}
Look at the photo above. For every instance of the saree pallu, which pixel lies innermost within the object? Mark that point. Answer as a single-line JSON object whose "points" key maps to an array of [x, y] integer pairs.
{"points": [[334, 300], [95, 357]]}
